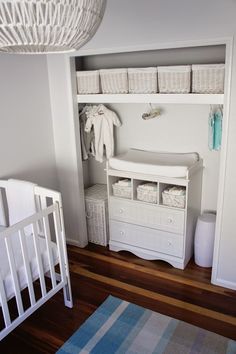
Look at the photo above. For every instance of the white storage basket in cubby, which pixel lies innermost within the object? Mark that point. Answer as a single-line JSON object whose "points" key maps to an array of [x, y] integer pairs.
{"points": [[88, 82], [142, 80], [149, 196], [114, 80], [177, 201], [173, 200], [96, 206], [174, 79], [122, 191], [208, 78]]}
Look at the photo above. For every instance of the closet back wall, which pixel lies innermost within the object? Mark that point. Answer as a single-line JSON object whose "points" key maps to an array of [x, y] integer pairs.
{"points": [[180, 128], [177, 56]]}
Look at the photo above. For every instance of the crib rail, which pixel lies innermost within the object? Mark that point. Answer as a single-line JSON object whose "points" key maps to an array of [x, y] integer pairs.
{"points": [[45, 218], [3, 221]]}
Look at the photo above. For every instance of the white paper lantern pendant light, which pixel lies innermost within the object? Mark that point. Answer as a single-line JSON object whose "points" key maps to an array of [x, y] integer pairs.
{"points": [[46, 26]]}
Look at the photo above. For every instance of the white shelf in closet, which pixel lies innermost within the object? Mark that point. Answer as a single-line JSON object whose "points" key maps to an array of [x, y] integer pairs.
{"points": [[190, 98]]}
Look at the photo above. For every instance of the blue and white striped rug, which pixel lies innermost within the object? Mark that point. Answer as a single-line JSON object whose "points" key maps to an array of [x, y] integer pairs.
{"points": [[121, 327]]}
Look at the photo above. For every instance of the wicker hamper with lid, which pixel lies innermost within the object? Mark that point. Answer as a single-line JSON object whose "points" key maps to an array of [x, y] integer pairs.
{"points": [[96, 206]]}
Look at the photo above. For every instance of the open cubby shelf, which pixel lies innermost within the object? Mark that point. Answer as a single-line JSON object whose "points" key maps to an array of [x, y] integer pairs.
{"points": [[137, 195]]}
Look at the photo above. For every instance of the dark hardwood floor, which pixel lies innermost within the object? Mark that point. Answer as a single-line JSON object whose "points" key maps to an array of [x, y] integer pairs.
{"points": [[96, 273]]}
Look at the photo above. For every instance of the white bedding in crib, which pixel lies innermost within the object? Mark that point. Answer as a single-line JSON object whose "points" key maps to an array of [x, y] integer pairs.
{"points": [[4, 265], [154, 163]]}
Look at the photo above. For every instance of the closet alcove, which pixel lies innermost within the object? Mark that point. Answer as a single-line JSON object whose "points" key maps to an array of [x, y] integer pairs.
{"points": [[182, 126]]}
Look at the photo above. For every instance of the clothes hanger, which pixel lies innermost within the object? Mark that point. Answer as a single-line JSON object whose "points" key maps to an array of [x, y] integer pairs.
{"points": [[154, 112]]}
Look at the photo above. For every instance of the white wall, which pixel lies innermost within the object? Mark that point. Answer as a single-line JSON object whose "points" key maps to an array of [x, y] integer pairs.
{"points": [[159, 23], [225, 260], [26, 137], [66, 130], [138, 22]]}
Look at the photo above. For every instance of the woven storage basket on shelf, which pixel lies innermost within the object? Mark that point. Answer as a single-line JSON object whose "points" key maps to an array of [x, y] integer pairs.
{"points": [[174, 79], [96, 206], [88, 82], [114, 80], [177, 201], [146, 195], [142, 80], [122, 191], [208, 78]]}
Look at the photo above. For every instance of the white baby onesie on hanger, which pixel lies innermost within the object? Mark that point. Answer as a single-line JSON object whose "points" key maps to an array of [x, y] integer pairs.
{"points": [[87, 139], [102, 119]]}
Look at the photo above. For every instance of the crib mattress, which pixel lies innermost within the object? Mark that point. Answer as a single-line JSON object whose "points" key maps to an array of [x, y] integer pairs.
{"points": [[154, 163], [4, 265]]}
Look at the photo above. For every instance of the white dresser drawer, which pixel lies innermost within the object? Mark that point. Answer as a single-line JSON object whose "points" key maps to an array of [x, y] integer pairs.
{"points": [[143, 237], [143, 214]]}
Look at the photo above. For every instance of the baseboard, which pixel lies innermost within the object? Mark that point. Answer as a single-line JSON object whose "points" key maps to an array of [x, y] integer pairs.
{"points": [[224, 283], [75, 243]]}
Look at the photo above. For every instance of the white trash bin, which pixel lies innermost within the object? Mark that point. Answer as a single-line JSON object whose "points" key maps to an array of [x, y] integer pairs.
{"points": [[204, 240]]}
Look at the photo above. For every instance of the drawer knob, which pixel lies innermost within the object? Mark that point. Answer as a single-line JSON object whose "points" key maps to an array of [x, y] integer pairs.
{"points": [[170, 220], [121, 211], [169, 243], [122, 233]]}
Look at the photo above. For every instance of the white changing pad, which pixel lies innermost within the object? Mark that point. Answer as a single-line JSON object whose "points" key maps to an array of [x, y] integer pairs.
{"points": [[4, 265], [154, 163]]}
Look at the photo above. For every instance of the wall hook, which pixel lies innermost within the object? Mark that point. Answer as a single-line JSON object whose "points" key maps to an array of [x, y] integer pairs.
{"points": [[153, 112]]}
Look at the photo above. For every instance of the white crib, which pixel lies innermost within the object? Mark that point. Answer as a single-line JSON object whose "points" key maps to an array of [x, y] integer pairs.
{"points": [[31, 258]]}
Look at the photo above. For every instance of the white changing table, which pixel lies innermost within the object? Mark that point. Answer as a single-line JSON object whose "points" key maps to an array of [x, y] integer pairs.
{"points": [[155, 231]]}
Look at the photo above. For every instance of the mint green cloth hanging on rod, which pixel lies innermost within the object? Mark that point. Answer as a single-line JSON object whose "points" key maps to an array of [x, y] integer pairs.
{"points": [[211, 129], [215, 128], [218, 116]]}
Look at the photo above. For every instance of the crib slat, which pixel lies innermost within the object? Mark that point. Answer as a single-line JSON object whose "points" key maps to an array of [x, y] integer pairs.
{"points": [[39, 208], [39, 260], [47, 234], [49, 250], [3, 298], [15, 280], [43, 201], [3, 221], [58, 201], [27, 266], [59, 243]]}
